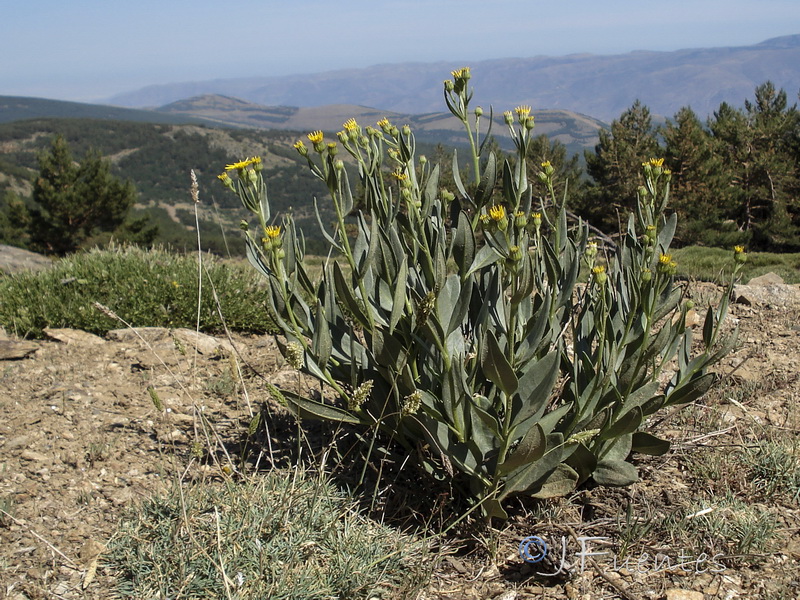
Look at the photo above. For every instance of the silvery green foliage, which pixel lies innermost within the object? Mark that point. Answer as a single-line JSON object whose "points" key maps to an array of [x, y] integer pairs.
{"points": [[457, 325]]}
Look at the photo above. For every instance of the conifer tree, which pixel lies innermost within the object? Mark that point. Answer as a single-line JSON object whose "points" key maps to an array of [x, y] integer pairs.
{"points": [[75, 201], [700, 184], [615, 166], [758, 145]]}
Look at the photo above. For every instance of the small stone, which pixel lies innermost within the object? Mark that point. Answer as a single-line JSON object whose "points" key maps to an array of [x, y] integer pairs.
{"points": [[34, 456], [14, 350], [681, 594], [17, 442], [74, 336]]}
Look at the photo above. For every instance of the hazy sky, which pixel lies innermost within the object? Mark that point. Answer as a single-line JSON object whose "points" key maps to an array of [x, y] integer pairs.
{"points": [[89, 50]]}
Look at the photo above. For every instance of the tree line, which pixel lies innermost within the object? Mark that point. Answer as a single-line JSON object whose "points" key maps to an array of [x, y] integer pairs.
{"points": [[735, 177]]}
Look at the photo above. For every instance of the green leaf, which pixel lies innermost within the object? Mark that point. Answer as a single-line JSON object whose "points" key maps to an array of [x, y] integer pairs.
{"points": [[530, 449], [559, 483], [645, 443], [496, 366], [488, 180], [535, 388], [344, 293], [457, 179], [493, 509], [306, 408], [708, 328], [399, 300], [615, 473], [463, 244], [321, 341], [627, 423], [691, 390], [485, 257]]}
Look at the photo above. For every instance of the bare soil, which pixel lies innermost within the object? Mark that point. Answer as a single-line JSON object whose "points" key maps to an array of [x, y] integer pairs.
{"points": [[81, 440]]}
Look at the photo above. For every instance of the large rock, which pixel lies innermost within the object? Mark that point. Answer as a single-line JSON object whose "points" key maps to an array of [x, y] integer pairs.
{"points": [[14, 260], [768, 289]]}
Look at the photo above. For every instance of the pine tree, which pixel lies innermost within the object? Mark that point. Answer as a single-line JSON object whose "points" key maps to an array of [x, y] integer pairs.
{"points": [[758, 144], [75, 201], [700, 185], [615, 166]]}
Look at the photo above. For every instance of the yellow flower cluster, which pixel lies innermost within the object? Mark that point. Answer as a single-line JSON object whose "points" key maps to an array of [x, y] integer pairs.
{"points": [[273, 231], [316, 137], [242, 164]]}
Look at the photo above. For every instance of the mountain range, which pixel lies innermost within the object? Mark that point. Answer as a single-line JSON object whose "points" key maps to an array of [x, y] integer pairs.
{"points": [[600, 86]]}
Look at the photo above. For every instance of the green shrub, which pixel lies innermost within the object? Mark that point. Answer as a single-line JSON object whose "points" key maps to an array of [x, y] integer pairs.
{"points": [[500, 373], [286, 535], [144, 287]]}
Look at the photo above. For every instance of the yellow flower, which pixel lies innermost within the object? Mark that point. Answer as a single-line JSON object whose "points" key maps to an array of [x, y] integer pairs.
{"points": [[384, 123], [350, 125], [399, 175], [546, 164], [224, 178], [301, 148], [739, 255], [462, 73], [656, 162], [315, 137], [273, 231], [242, 164], [738, 249], [599, 273], [665, 259], [497, 213], [256, 160], [522, 112]]}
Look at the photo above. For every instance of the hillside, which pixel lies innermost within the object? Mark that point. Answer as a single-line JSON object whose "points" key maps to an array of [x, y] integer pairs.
{"points": [[158, 158], [18, 108], [601, 86], [575, 131]]}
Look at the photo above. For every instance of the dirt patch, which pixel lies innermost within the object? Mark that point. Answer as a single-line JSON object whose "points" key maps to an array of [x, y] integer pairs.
{"points": [[82, 438]]}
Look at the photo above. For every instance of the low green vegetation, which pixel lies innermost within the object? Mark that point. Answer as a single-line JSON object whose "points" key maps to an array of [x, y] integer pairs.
{"points": [[143, 287], [714, 264], [284, 535]]}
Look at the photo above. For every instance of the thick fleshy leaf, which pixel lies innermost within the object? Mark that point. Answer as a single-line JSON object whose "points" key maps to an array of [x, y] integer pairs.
{"points": [[615, 473], [496, 366], [306, 408], [530, 449], [645, 443], [559, 483]]}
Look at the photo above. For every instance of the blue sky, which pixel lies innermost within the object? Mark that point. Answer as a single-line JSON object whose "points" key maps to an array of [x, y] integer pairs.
{"points": [[88, 50]]}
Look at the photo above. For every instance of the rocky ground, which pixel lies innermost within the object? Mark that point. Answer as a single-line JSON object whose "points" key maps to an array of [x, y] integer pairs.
{"points": [[90, 425]]}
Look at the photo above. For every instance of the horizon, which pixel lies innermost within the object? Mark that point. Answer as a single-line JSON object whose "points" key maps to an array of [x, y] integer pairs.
{"points": [[76, 53]]}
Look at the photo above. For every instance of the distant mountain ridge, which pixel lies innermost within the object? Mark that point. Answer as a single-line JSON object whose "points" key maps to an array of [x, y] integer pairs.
{"points": [[601, 86], [573, 130]]}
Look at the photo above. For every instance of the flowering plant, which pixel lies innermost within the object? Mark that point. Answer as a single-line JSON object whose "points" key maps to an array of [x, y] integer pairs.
{"points": [[457, 325]]}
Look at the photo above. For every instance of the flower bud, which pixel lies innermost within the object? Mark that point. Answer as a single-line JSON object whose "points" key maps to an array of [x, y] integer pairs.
{"points": [[536, 218], [406, 130], [447, 196], [515, 253], [739, 255], [600, 275], [647, 275], [243, 225], [423, 159], [301, 148], [508, 117], [339, 165], [333, 149], [449, 85], [520, 219], [478, 111]]}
